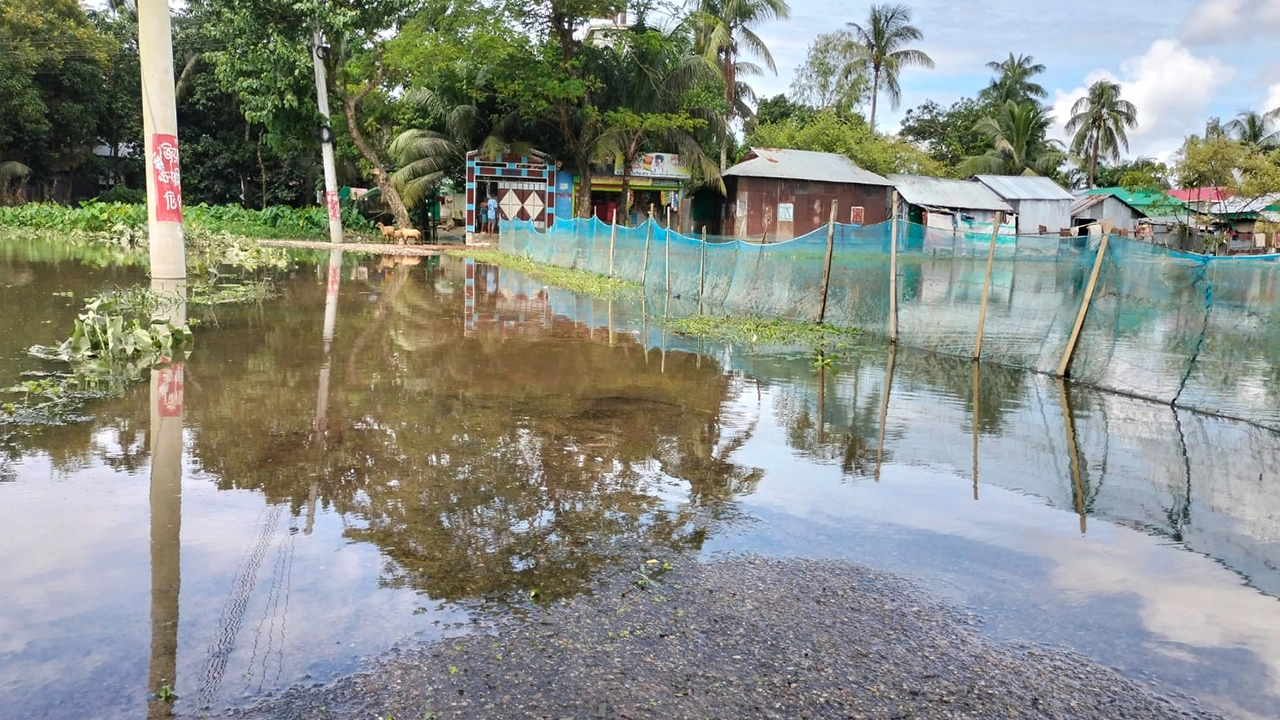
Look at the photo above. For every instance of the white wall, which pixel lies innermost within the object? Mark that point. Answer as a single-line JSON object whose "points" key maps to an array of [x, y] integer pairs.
{"points": [[1053, 214]]}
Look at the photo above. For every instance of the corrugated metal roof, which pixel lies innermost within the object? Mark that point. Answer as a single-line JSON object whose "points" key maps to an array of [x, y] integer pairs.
{"points": [[1084, 203], [947, 193], [804, 165], [1201, 194], [1245, 206], [1025, 187], [1142, 200]]}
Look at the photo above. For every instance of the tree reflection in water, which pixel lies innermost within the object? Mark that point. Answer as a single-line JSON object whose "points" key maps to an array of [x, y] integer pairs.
{"points": [[529, 455]]}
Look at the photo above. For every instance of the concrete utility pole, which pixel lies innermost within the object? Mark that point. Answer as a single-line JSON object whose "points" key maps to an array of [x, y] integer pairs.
{"points": [[160, 128], [318, 51]]}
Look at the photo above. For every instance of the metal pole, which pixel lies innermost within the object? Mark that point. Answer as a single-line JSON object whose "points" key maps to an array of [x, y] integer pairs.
{"points": [[318, 52], [160, 130], [893, 272], [826, 268], [986, 285]]}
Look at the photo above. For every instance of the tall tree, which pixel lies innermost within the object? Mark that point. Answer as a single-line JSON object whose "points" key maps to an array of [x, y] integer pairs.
{"points": [[1255, 130], [1099, 121], [884, 41], [1016, 133], [1014, 80], [949, 135], [726, 35], [647, 73], [834, 74], [265, 59]]}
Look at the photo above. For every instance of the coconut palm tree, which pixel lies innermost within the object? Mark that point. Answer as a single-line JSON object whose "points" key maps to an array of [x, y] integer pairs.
{"points": [[1013, 80], [424, 156], [725, 34], [1255, 130], [1016, 132], [1099, 121], [884, 41]]}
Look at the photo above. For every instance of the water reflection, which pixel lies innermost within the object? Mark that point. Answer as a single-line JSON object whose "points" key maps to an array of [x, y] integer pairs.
{"points": [[166, 404], [461, 436]]}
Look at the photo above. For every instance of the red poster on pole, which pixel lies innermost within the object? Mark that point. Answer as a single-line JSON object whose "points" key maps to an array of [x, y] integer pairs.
{"points": [[331, 199], [169, 395], [167, 173]]}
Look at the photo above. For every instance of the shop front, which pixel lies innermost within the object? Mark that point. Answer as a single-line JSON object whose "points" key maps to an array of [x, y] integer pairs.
{"points": [[657, 180]]}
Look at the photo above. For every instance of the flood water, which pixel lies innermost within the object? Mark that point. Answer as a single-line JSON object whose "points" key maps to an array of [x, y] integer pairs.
{"points": [[298, 498]]}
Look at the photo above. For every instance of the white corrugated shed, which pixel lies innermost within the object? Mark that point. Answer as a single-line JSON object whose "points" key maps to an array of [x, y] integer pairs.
{"points": [[946, 193], [1038, 201], [804, 165], [1093, 208]]}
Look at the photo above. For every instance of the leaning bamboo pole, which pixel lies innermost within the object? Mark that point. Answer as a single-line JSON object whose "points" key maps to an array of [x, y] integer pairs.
{"points": [[1088, 299], [986, 285]]}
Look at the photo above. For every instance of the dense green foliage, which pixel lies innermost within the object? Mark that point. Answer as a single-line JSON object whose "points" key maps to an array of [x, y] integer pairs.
{"points": [[276, 222], [416, 84]]}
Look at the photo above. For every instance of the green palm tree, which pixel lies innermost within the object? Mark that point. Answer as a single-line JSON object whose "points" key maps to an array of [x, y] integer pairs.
{"points": [[884, 41], [424, 156], [1016, 132], [1013, 80], [726, 32], [1254, 129], [1099, 121]]}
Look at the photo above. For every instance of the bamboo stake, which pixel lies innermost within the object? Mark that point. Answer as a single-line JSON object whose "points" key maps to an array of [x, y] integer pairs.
{"points": [[986, 285], [648, 237], [702, 268], [1073, 453], [667, 269], [613, 231], [893, 272], [1084, 304], [884, 408], [826, 269]]}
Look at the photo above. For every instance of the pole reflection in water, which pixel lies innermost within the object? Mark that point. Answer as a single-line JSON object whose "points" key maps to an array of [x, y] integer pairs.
{"points": [[320, 428], [166, 403], [977, 378], [884, 407], [1073, 454]]}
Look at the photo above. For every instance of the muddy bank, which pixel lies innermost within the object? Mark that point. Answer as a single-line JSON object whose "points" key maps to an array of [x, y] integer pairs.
{"points": [[742, 637]]}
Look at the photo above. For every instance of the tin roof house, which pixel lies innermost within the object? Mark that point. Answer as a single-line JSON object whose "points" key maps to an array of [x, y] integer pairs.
{"points": [[779, 194], [951, 205], [1041, 205]]}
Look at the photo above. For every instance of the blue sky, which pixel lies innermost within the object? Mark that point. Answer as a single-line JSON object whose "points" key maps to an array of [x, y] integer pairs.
{"points": [[1179, 61]]}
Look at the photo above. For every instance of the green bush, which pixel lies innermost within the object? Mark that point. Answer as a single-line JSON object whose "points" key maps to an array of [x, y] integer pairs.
{"points": [[122, 194], [98, 216]]}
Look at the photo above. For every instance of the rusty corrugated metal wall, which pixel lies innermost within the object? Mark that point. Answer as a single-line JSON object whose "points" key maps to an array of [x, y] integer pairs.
{"points": [[757, 207]]}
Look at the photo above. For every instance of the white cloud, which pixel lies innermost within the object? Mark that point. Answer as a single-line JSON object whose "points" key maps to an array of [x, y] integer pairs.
{"points": [[1230, 21], [1273, 99], [1171, 87]]}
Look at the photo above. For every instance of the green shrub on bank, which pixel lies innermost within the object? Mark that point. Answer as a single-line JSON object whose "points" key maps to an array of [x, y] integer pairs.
{"points": [[278, 222]]}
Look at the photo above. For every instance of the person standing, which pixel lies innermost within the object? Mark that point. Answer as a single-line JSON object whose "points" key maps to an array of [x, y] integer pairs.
{"points": [[491, 205]]}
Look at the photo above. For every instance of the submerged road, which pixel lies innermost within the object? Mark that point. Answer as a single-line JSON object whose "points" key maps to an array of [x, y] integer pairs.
{"points": [[739, 637]]}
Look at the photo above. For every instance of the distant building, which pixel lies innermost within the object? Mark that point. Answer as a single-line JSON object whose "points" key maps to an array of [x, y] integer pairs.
{"points": [[1157, 207], [780, 194], [1041, 204], [1091, 210], [1201, 199], [952, 205], [1241, 218]]}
